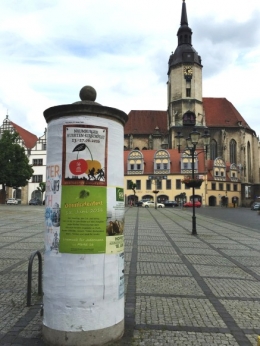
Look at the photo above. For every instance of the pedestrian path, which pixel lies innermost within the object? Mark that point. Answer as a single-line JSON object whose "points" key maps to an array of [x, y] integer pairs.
{"points": [[179, 289]]}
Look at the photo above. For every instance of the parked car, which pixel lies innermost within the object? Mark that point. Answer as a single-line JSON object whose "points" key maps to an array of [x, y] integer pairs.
{"points": [[35, 201], [255, 206], [190, 204], [12, 201], [171, 204], [151, 204], [140, 203]]}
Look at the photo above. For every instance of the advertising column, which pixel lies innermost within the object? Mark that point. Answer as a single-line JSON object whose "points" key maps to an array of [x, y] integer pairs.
{"points": [[83, 278]]}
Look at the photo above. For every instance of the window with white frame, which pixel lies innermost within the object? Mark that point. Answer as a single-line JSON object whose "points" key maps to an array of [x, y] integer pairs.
{"points": [[37, 178], [37, 162]]}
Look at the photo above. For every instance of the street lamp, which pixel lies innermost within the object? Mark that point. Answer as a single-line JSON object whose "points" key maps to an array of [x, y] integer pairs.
{"points": [[191, 143]]}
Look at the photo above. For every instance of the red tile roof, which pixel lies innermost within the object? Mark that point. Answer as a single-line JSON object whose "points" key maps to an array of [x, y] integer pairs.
{"points": [[219, 112], [210, 164], [145, 122], [210, 176], [29, 138]]}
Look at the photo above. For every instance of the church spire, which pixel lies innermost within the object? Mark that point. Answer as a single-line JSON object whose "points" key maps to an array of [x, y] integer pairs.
{"points": [[184, 18], [184, 33], [184, 53]]}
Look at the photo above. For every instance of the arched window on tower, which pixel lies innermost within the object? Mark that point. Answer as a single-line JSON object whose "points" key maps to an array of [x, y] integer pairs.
{"points": [[189, 119], [213, 149], [233, 151]]}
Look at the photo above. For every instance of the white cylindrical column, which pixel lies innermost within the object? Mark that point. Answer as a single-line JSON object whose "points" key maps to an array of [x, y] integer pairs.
{"points": [[83, 277]]}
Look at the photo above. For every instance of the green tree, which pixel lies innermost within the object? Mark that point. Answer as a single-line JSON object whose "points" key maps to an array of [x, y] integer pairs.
{"points": [[41, 188], [132, 186], [15, 168]]}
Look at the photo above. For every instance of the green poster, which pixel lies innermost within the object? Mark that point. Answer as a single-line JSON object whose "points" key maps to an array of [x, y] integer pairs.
{"points": [[120, 194], [83, 219]]}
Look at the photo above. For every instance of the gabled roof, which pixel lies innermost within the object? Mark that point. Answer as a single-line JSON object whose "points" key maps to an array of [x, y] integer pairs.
{"points": [[175, 159], [219, 112], [146, 122], [28, 138]]}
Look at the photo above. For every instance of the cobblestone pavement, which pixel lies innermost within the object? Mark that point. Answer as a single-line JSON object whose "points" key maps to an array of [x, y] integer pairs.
{"points": [[181, 290]]}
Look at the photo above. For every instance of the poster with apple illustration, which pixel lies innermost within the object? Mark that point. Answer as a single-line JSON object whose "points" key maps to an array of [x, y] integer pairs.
{"points": [[84, 155]]}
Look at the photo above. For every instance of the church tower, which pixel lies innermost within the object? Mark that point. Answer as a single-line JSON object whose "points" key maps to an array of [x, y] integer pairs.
{"points": [[185, 108]]}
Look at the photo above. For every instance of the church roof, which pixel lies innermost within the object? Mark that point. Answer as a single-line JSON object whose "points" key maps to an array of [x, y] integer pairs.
{"points": [[28, 138], [146, 122], [219, 112]]}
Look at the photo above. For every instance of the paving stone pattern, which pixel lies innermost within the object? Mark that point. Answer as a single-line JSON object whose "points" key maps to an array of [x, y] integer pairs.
{"points": [[180, 290]]}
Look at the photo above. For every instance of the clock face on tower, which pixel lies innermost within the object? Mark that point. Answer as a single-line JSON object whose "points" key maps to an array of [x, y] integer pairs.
{"points": [[187, 70]]}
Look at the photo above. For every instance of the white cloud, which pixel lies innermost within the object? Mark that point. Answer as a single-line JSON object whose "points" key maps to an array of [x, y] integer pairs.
{"points": [[50, 49]]}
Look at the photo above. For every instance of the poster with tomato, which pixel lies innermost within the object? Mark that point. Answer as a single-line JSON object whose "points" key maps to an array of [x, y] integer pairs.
{"points": [[84, 155]]}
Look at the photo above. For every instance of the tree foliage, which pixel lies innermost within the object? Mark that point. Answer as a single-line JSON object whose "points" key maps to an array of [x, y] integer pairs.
{"points": [[132, 186], [41, 188], [15, 168]]}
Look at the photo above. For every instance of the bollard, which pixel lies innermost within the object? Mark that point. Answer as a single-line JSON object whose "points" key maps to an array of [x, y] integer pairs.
{"points": [[258, 341], [83, 278], [29, 277]]}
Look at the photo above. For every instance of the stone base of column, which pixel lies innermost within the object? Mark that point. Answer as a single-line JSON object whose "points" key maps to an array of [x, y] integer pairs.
{"points": [[97, 337]]}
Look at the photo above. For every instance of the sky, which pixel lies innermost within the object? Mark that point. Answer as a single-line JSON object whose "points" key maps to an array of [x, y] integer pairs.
{"points": [[50, 49]]}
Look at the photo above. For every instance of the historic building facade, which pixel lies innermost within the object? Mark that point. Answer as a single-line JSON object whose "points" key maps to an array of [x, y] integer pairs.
{"points": [[233, 145], [35, 149], [231, 167]]}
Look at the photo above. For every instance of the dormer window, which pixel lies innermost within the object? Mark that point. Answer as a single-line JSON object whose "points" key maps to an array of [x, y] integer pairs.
{"points": [[186, 163], [219, 169], [162, 162], [135, 164]]}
